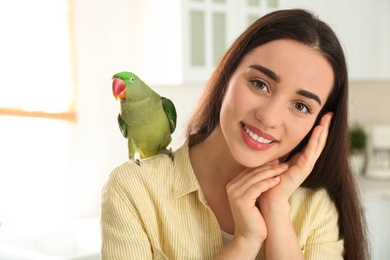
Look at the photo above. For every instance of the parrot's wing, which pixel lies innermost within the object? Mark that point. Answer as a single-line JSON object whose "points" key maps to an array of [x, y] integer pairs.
{"points": [[170, 111], [122, 126]]}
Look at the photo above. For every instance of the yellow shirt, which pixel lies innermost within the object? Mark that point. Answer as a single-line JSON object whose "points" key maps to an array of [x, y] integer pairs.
{"points": [[158, 211]]}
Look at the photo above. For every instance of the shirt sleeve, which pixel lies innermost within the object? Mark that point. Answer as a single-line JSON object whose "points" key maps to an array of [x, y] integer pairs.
{"points": [[122, 231], [324, 241]]}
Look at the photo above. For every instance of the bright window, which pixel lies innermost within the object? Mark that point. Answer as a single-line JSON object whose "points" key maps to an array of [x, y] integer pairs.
{"points": [[35, 57], [36, 107]]}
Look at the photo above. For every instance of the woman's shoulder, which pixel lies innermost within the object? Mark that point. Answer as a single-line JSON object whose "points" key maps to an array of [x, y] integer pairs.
{"points": [[156, 170], [310, 197], [315, 219], [131, 174], [304, 192], [131, 169], [315, 203]]}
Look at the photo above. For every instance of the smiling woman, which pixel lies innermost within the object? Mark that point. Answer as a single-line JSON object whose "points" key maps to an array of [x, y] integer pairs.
{"points": [[264, 171]]}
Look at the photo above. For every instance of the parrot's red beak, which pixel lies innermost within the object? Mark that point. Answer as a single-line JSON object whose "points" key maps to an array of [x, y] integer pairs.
{"points": [[118, 88]]}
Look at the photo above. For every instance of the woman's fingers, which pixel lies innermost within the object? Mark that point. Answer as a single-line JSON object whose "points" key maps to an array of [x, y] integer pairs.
{"points": [[317, 141], [243, 195], [254, 191], [249, 172], [249, 196], [325, 122], [312, 150], [257, 175]]}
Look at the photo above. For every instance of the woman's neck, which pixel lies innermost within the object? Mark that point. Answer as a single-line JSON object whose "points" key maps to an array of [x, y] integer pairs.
{"points": [[215, 167], [212, 161]]}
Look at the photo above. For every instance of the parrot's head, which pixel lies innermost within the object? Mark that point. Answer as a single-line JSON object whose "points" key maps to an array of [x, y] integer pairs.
{"points": [[128, 87]]}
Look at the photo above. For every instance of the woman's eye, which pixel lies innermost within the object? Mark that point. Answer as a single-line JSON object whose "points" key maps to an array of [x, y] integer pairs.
{"points": [[260, 85], [302, 108]]}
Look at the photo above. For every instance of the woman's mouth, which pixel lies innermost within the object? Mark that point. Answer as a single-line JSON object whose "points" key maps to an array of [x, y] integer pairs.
{"points": [[257, 139]]}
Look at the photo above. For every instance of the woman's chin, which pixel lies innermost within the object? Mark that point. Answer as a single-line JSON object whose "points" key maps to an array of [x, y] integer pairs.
{"points": [[253, 160], [249, 161]]}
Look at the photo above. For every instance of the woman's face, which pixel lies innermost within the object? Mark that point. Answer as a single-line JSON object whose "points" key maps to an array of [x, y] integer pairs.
{"points": [[272, 100]]}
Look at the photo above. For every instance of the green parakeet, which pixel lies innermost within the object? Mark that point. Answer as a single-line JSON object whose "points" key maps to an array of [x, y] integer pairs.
{"points": [[146, 119]]}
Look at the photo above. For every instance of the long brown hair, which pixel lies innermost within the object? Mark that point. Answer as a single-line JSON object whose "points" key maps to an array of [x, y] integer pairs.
{"points": [[332, 170]]}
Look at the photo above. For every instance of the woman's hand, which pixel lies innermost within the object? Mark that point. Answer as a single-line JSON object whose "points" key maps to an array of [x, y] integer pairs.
{"points": [[300, 165], [250, 230], [274, 206], [243, 192]]}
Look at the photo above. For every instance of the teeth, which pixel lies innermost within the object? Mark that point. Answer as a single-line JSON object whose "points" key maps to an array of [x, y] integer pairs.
{"points": [[256, 137]]}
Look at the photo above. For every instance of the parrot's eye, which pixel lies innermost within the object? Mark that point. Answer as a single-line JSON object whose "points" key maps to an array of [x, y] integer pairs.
{"points": [[131, 79]]}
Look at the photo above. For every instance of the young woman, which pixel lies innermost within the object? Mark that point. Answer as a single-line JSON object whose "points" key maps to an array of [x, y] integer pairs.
{"points": [[264, 172]]}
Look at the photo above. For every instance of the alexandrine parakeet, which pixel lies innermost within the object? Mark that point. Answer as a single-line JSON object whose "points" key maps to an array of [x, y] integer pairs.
{"points": [[146, 119]]}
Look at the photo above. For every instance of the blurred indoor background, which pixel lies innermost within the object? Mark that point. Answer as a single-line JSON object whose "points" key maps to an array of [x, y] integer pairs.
{"points": [[59, 137]]}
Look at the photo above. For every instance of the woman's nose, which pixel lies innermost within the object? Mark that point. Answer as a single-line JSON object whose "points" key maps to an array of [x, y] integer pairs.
{"points": [[271, 113]]}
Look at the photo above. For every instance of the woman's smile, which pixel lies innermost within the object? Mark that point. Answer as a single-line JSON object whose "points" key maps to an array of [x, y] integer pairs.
{"points": [[257, 139]]}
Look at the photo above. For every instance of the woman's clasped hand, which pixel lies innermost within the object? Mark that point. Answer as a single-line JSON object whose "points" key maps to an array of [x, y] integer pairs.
{"points": [[272, 183]]}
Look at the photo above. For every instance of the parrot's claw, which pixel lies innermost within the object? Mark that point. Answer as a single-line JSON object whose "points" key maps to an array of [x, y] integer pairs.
{"points": [[136, 161], [169, 152]]}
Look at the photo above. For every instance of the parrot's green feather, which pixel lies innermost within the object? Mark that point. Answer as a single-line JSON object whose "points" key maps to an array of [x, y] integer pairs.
{"points": [[123, 75], [122, 126], [170, 111]]}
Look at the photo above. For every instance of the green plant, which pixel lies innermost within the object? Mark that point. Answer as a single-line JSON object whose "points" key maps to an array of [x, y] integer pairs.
{"points": [[357, 138]]}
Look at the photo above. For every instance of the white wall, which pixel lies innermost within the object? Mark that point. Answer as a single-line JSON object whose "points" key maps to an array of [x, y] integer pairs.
{"points": [[370, 102]]}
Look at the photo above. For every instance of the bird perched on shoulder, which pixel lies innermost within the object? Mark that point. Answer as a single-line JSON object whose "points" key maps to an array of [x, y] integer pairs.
{"points": [[146, 119]]}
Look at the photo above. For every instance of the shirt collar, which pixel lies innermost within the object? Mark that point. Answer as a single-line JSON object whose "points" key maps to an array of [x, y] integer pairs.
{"points": [[185, 179]]}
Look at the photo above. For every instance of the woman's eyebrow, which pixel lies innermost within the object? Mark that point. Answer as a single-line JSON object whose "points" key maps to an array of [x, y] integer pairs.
{"points": [[310, 95], [272, 75], [269, 73]]}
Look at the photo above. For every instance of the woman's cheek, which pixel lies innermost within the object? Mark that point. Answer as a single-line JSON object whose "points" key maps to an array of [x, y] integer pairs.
{"points": [[299, 132]]}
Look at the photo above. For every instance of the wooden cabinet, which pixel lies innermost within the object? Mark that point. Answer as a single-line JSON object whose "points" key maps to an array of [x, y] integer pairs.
{"points": [[205, 31], [210, 26], [180, 41]]}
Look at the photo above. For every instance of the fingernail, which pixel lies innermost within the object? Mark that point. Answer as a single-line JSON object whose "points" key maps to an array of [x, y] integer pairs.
{"points": [[331, 115], [277, 178], [284, 165]]}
